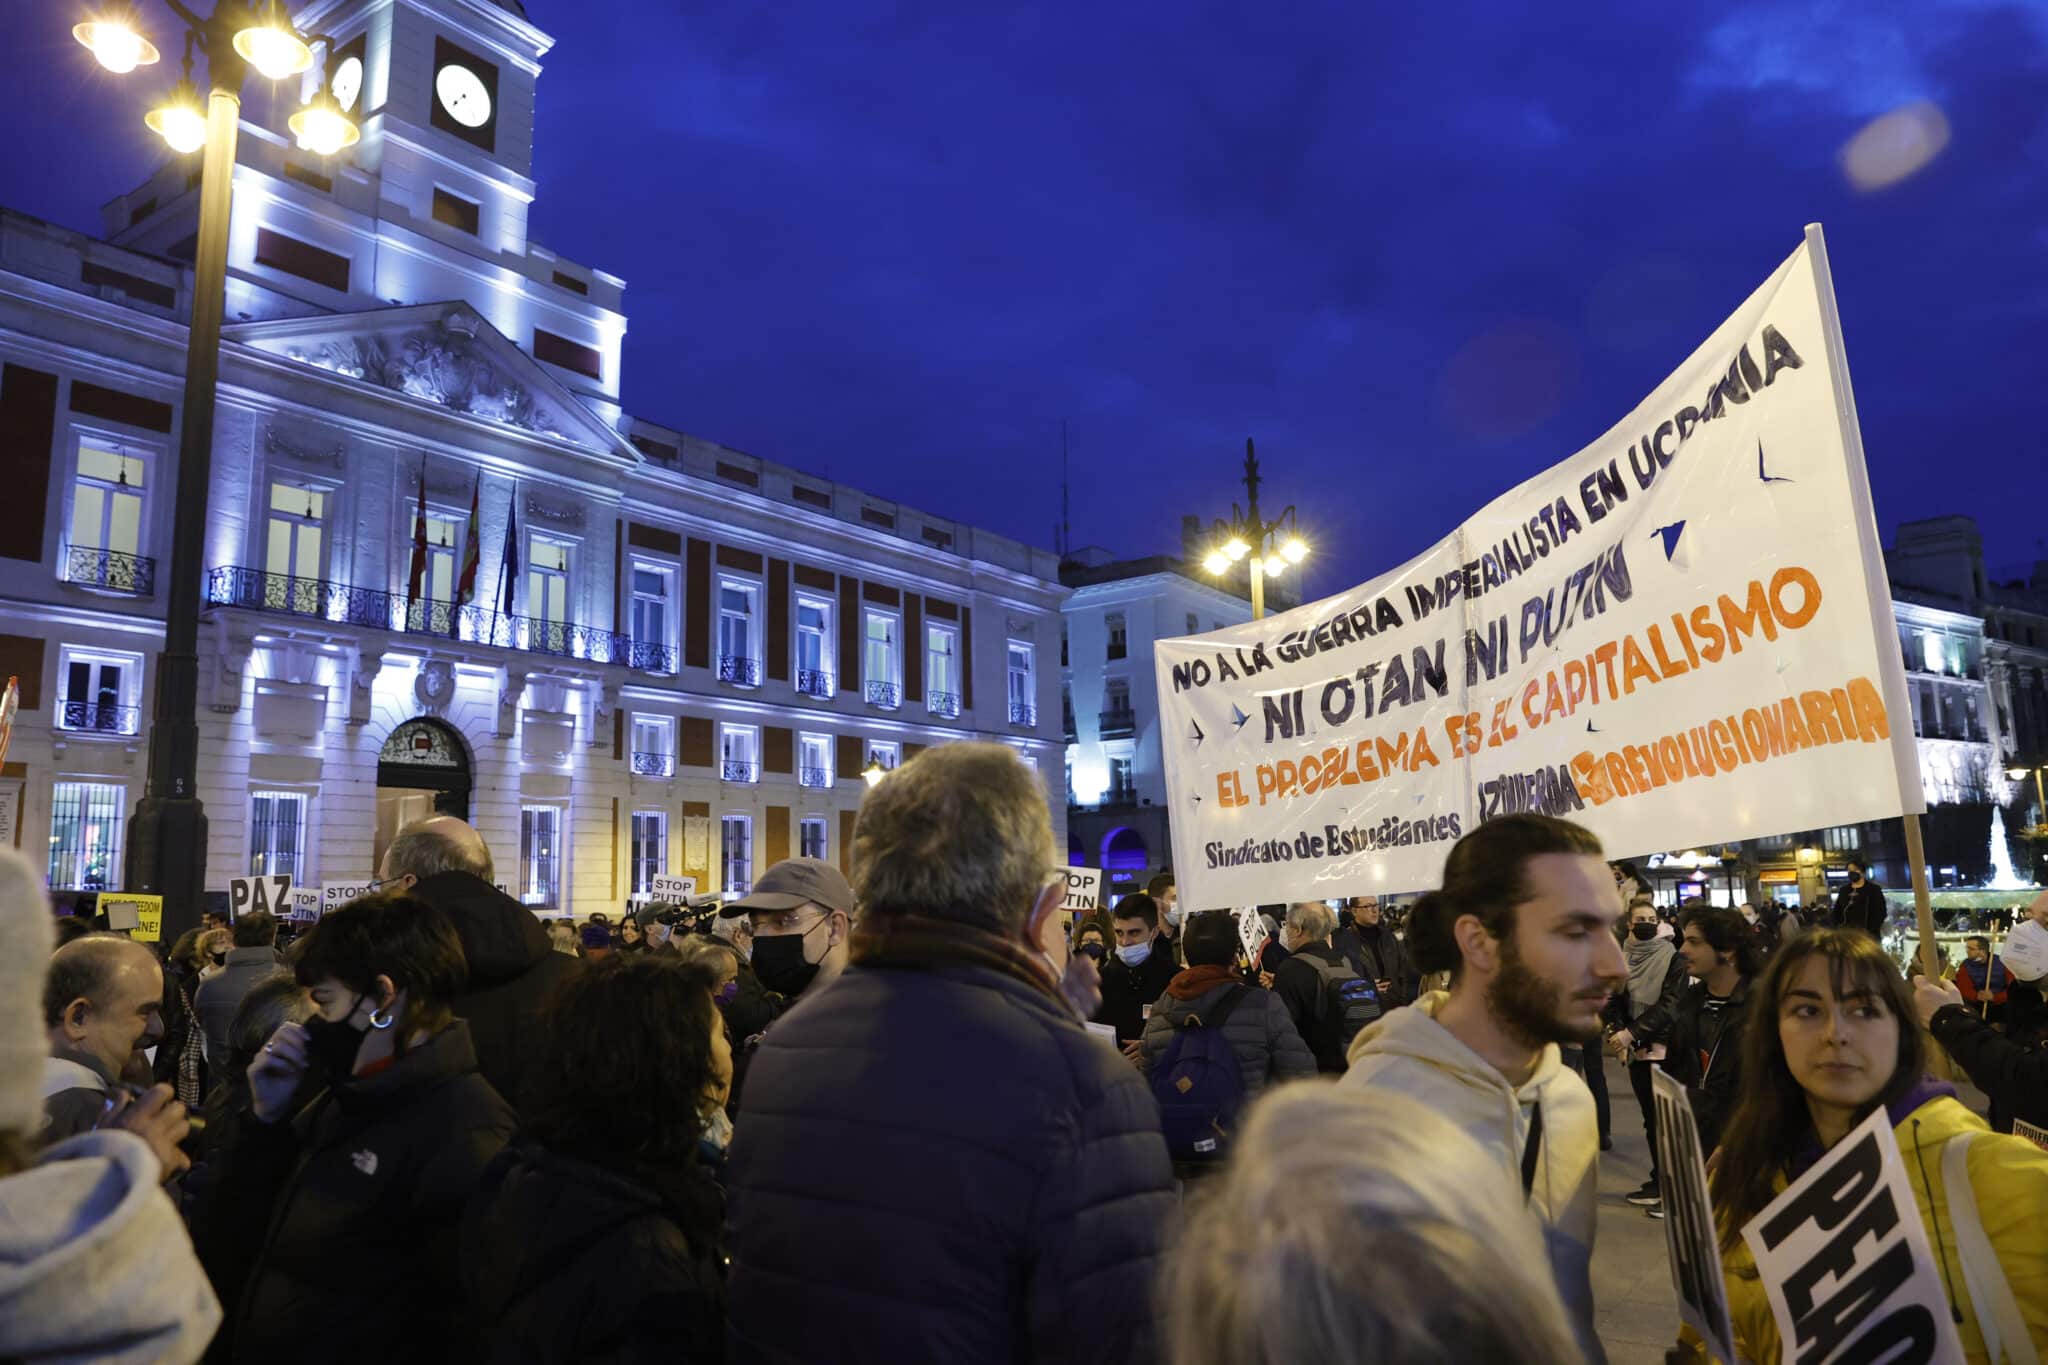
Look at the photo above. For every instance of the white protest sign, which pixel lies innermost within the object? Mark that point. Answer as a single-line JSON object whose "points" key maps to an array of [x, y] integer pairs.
{"points": [[272, 894], [1251, 931], [305, 903], [1845, 1261], [334, 895], [1680, 635], [1084, 888], [665, 887], [1689, 1221]]}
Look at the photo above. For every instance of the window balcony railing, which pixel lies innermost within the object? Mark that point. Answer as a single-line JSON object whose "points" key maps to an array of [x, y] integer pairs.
{"points": [[813, 682], [942, 703], [743, 672], [740, 770], [1118, 724], [97, 719], [339, 603], [109, 570], [654, 765], [815, 777], [1023, 713], [885, 694]]}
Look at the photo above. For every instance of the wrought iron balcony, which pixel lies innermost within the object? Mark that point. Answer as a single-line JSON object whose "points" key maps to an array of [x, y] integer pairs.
{"points": [[740, 770], [942, 703], [815, 777], [744, 672], [813, 682], [97, 719], [1022, 713], [109, 570], [1117, 724], [654, 765], [885, 694], [256, 590]]}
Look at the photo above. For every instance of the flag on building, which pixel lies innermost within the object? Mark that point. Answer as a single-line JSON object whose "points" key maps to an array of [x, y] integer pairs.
{"points": [[419, 544], [465, 583], [508, 571]]}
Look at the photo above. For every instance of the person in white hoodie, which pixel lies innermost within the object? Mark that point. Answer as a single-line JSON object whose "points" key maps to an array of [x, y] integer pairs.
{"points": [[94, 1263], [1523, 924]]}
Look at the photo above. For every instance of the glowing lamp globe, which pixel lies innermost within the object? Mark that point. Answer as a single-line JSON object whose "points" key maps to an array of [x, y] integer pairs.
{"points": [[1216, 562], [116, 45], [273, 49], [179, 121], [322, 128], [1295, 550]]}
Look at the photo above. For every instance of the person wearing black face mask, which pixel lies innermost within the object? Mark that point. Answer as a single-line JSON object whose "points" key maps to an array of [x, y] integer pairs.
{"points": [[1641, 1018], [335, 1210], [801, 915], [1861, 905]]}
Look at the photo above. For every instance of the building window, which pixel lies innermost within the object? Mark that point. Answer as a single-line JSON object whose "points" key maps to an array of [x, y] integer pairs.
{"points": [[814, 760], [455, 211], [738, 661], [942, 670], [444, 554], [292, 555], [1842, 838], [1063, 644], [1194, 626], [811, 838], [1930, 651], [107, 517], [99, 691], [1023, 687], [736, 848], [85, 835], [739, 753], [1121, 785], [540, 856], [654, 746], [650, 848], [813, 647], [886, 752], [277, 835], [881, 661], [1116, 694], [547, 595], [651, 645], [1114, 622]]}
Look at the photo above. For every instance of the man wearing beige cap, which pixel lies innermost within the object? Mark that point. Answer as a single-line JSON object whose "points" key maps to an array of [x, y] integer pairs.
{"points": [[801, 912]]}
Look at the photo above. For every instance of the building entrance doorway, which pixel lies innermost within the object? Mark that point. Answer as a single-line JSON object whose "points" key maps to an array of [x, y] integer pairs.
{"points": [[422, 770]]}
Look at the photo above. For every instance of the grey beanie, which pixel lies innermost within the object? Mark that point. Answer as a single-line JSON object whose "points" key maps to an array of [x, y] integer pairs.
{"points": [[26, 936]]}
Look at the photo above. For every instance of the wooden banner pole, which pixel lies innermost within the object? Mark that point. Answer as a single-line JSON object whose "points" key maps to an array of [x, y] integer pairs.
{"points": [[1923, 900]]}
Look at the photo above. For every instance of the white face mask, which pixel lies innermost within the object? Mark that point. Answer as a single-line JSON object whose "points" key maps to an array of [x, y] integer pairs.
{"points": [[1173, 917], [1134, 954]]}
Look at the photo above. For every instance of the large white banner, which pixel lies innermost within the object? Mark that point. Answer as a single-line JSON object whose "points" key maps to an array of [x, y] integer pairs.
{"points": [[1680, 635]]}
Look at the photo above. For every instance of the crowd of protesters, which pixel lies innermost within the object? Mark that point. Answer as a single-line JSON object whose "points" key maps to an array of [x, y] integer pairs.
{"points": [[875, 1117]]}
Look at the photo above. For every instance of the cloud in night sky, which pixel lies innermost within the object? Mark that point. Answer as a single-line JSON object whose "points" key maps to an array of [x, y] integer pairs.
{"points": [[1418, 252]]}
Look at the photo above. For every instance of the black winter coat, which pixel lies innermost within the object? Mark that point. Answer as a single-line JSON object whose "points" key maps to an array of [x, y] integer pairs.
{"points": [[1862, 907], [1300, 987], [564, 1260], [1704, 1054], [512, 972], [1378, 955], [942, 1165], [2013, 1075], [362, 1193], [1128, 993], [1652, 1025]]}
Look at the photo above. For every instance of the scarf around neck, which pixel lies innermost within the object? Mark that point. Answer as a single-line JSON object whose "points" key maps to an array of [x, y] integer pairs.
{"points": [[1648, 964]]}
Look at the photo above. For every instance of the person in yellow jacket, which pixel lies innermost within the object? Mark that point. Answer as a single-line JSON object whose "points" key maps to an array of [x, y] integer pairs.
{"points": [[1832, 1037]]}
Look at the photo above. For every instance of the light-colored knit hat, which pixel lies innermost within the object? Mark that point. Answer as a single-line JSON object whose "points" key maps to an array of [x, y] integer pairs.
{"points": [[26, 935]]}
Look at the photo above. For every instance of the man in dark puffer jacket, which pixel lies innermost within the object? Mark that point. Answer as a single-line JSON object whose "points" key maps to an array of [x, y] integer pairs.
{"points": [[937, 1161], [512, 966]]}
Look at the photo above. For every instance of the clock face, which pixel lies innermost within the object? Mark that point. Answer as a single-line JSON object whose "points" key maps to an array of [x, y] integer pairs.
{"points": [[348, 83], [463, 95]]}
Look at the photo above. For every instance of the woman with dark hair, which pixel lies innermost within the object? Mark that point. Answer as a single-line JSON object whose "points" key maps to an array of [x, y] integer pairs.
{"points": [[631, 938], [370, 1128], [1640, 1019], [1090, 940], [1705, 1053], [597, 1236], [1832, 1039]]}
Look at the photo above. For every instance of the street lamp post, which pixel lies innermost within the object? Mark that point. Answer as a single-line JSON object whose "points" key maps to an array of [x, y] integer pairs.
{"points": [[1270, 545], [166, 849]]}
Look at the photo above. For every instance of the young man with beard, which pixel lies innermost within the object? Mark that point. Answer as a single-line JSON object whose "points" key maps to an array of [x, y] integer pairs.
{"points": [[1522, 924]]}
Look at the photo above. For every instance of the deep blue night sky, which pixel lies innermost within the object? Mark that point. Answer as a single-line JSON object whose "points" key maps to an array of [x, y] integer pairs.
{"points": [[1418, 251]]}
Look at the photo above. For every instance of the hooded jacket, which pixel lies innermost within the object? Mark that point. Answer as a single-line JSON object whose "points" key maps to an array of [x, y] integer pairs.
{"points": [[75, 1090], [512, 972], [2008, 1177], [565, 1260], [94, 1264], [1409, 1052], [1260, 1034]]}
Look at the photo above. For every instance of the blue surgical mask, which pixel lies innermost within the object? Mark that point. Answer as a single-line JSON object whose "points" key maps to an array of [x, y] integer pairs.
{"points": [[1134, 954]]}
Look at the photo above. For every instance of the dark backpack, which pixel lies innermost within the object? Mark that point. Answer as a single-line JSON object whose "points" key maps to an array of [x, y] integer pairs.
{"points": [[1348, 1003], [1199, 1084]]}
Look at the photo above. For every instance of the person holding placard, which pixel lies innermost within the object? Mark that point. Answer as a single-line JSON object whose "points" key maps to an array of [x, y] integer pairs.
{"points": [[1831, 1040]]}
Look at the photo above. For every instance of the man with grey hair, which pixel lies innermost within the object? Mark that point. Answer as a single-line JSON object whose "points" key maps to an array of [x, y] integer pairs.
{"points": [[936, 1158], [1327, 999], [513, 968]]}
